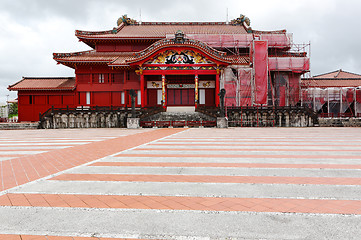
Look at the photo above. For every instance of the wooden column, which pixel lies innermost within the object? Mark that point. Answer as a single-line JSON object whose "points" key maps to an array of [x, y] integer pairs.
{"points": [[142, 90], [163, 92], [196, 98]]}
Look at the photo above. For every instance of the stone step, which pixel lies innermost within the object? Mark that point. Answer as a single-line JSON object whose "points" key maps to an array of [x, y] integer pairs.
{"points": [[24, 125], [179, 116]]}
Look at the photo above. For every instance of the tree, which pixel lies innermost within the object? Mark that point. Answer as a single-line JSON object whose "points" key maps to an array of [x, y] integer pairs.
{"points": [[13, 109]]}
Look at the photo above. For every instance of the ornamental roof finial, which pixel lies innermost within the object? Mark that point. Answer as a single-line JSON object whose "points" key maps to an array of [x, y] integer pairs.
{"points": [[127, 21], [179, 37]]}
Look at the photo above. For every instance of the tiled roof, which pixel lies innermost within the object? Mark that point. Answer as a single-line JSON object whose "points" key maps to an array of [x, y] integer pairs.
{"points": [[337, 78], [88, 56], [235, 59], [44, 84], [160, 30], [330, 83], [123, 58], [338, 74], [117, 58]]}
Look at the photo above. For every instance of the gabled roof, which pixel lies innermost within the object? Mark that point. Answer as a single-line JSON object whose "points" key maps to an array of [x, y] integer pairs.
{"points": [[44, 83], [70, 59], [338, 78], [159, 30], [116, 59], [338, 74]]}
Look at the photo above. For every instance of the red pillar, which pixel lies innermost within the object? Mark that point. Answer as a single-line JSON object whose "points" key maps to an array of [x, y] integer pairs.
{"points": [[164, 92], [142, 95], [196, 98], [217, 89]]}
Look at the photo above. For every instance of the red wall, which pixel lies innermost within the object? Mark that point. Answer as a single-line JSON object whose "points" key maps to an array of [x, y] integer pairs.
{"points": [[31, 103]]}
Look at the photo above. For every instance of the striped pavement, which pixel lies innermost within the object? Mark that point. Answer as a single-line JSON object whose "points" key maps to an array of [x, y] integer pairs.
{"points": [[237, 183]]}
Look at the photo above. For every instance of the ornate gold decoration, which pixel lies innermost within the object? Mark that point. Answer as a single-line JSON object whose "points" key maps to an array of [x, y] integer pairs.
{"points": [[127, 21]]}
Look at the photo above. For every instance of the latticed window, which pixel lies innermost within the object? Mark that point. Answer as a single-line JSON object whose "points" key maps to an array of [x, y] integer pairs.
{"points": [[101, 78]]}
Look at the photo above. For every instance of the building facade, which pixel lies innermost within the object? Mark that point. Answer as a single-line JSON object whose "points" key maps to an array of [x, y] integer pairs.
{"points": [[333, 94], [172, 64]]}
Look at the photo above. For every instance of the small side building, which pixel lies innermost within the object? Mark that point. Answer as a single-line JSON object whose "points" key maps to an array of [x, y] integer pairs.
{"points": [[333, 94]]}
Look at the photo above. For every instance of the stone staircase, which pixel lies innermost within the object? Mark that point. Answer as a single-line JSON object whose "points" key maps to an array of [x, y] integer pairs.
{"points": [[178, 119]]}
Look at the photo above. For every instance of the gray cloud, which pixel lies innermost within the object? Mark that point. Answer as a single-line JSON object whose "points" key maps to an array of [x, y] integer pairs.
{"points": [[31, 31]]}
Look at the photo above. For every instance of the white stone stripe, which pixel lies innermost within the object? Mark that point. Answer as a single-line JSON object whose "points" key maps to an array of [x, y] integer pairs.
{"points": [[174, 224], [194, 189], [220, 171], [251, 147], [312, 139], [32, 147], [43, 143], [285, 143], [221, 153], [234, 160], [4, 152]]}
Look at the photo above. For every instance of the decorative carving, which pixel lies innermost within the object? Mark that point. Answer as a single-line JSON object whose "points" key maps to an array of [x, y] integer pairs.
{"points": [[127, 21], [146, 52], [242, 18], [155, 85], [183, 57], [179, 37]]}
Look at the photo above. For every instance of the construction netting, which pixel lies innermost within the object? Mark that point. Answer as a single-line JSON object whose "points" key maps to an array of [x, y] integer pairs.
{"points": [[275, 40], [333, 102], [283, 89], [238, 86], [260, 65], [294, 64]]}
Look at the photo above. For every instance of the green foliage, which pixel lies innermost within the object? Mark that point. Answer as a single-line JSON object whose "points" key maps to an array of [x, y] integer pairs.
{"points": [[13, 109]]}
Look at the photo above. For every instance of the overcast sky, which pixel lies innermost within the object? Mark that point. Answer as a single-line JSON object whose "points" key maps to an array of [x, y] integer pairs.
{"points": [[30, 31]]}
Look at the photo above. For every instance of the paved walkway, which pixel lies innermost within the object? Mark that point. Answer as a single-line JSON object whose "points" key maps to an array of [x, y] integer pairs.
{"points": [[241, 183]]}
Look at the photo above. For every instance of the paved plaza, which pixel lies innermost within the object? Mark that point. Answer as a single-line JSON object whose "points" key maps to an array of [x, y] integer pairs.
{"points": [[206, 183]]}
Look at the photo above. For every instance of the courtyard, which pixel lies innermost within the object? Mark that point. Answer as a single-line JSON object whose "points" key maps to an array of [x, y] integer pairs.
{"points": [[180, 183]]}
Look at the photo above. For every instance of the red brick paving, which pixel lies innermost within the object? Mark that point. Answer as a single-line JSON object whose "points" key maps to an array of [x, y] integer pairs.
{"points": [[25, 169], [209, 179], [185, 203], [226, 165], [238, 156]]}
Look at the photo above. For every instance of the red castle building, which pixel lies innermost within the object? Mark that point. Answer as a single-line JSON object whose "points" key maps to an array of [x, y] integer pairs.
{"points": [[172, 64]]}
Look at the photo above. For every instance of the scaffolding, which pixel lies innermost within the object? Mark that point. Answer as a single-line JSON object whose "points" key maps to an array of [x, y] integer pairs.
{"points": [[333, 101], [273, 77]]}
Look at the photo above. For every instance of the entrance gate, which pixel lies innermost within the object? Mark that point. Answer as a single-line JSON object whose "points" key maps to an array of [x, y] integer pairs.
{"points": [[181, 97]]}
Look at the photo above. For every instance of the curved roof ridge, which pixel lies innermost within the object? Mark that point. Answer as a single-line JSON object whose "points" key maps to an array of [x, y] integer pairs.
{"points": [[115, 30], [72, 54], [282, 31]]}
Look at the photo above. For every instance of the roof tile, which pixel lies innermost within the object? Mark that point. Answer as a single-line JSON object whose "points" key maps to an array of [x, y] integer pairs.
{"points": [[44, 84]]}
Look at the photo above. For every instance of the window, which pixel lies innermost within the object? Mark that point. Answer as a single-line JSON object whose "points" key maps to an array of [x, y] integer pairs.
{"points": [[30, 99], [122, 98], [139, 98], [88, 98], [101, 78], [159, 96], [202, 96]]}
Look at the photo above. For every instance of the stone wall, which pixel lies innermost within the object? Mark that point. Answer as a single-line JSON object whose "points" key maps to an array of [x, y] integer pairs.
{"points": [[270, 118], [23, 125], [85, 120], [339, 122]]}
